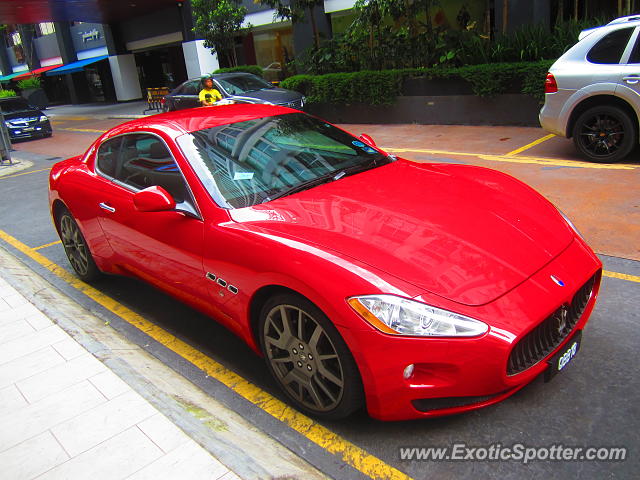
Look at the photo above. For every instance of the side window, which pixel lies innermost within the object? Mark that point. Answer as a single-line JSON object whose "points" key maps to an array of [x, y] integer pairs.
{"points": [[147, 162], [107, 157], [610, 48], [191, 88], [635, 54]]}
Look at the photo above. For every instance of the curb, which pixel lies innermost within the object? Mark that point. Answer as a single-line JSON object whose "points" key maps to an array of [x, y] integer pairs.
{"points": [[17, 166]]}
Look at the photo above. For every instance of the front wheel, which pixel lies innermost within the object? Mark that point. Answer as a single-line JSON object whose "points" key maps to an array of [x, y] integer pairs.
{"points": [[308, 358], [76, 248], [605, 134]]}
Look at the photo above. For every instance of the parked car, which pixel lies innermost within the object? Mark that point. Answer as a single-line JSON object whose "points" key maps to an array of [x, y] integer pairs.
{"points": [[23, 120], [237, 87], [593, 92], [413, 289]]}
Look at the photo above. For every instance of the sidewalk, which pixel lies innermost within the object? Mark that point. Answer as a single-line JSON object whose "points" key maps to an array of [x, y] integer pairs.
{"points": [[64, 414], [122, 110]]}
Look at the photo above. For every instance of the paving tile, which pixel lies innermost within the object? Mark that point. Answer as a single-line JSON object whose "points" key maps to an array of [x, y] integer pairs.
{"points": [[187, 462], [11, 399], [59, 377], [163, 432], [13, 330], [38, 417], [17, 313], [114, 459], [4, 305], [38, 321], [230, 476], [109, 384], [32, 457], [15, 300], [84, 431], [69, 348], [29, 344], [28, 365]]}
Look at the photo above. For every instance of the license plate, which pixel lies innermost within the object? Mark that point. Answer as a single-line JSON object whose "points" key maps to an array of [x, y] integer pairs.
{"points": [[28, 129], [560, 360]]}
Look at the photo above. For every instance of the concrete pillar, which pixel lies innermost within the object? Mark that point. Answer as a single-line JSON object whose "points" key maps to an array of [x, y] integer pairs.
{"points": [[199, 59], [303, 31], [27, 34], [125, 77]]}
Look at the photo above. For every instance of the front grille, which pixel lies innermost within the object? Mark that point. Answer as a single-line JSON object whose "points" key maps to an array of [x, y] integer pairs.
{"points": [[429, 404], [295, 104], [543, 339]]}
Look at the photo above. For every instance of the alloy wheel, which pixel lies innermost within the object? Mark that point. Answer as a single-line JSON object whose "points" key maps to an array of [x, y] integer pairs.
{"points": [[74, 245], [602, 135]]}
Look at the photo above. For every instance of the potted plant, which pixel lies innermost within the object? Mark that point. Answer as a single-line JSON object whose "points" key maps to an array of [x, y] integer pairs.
{"points": [[32, 91]]}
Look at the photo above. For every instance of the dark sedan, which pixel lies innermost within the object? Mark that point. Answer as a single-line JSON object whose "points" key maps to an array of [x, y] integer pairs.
{"points": [[23, 120], [238, 87]]}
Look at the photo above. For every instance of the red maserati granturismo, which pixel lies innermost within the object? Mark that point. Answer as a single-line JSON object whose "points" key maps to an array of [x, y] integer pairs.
{"points": [[412, 289]]}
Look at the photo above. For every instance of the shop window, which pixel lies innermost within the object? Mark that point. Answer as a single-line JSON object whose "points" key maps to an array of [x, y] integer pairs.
{"points": [[46, 28]]}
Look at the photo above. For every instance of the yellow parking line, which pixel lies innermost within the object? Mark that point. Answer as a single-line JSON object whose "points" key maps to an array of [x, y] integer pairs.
{"points": [[621, 276], [90, 130], [519, 159], [47, 245], [530, 145], [25, 173], [350, 454], [65, 118]]}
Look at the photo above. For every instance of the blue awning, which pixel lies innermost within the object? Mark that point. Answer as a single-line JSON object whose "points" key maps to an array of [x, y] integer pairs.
{"points": [[75, 66]]}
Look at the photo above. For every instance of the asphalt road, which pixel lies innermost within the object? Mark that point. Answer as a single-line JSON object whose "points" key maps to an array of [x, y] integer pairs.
{"points": [[591, 404]]}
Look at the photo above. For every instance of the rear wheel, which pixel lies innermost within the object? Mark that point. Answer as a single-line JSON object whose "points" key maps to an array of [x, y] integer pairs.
{"points": [[605, 134], [76, 248], [308, 358]]}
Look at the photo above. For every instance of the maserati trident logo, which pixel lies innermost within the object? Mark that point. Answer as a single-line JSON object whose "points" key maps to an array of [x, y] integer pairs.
{"points": [[557, 281], [562, 320]]}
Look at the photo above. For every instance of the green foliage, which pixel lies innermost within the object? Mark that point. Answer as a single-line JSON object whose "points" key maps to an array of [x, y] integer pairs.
{"points": [[382, 87], [7, 93], [255, 69], [219, 22], [29, 82]]}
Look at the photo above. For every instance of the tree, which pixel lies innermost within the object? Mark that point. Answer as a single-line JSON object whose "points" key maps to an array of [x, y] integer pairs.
{"points": [[219, 22], [296, 10]]}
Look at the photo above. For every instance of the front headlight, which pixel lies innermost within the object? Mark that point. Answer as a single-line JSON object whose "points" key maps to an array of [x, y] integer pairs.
{"points": [[7, 124], [43, 118], [401, 316]]}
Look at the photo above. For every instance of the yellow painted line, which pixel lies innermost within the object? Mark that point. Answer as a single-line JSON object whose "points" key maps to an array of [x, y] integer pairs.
{"points": [[519, 159], [530, 145], [25, 173], [47, 245], [90, 130], [621, 276], [350, 454], [64, 118]]}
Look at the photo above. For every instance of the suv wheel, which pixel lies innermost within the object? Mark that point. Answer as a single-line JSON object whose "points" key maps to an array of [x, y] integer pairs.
{"points": [[604, 134]]}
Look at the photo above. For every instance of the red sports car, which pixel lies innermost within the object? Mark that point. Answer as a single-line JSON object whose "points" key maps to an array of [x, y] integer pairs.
{"points": [[412, 289]]}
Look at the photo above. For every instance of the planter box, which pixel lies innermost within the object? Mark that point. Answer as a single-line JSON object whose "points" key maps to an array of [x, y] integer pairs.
{"points": [[507, 109], [36, 97]]}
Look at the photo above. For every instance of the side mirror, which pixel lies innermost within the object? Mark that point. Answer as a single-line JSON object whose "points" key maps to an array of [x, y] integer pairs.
{"points": [[367, 139], [154, 199]]}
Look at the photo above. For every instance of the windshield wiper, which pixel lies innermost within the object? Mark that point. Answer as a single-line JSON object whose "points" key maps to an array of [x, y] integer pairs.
{"points": [[327, 177]]}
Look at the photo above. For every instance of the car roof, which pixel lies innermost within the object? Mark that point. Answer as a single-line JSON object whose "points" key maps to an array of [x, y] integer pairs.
{"points": [[200, 118], [631, 20]]}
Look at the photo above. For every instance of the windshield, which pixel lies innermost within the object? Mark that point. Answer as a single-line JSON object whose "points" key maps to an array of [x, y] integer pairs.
{"points": [[251, 162], [16, 105], [243, 84]]}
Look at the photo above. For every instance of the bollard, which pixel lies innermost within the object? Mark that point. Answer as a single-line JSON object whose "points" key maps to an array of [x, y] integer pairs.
{"points": [[5, 142]]}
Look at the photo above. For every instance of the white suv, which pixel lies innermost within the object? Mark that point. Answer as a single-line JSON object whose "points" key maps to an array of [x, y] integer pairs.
{"points": [[592, 92]]}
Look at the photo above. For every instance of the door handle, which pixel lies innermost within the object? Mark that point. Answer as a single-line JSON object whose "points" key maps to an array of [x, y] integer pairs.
{"points": [[632, 79], [106, 207]]}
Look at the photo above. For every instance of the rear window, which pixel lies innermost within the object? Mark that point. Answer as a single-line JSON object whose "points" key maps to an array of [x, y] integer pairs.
{"points": [[610, 48]]}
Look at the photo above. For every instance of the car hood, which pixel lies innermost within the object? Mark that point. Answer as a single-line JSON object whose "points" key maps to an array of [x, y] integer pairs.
{"points": [[464, 233], [272, 95], [23, 115]]}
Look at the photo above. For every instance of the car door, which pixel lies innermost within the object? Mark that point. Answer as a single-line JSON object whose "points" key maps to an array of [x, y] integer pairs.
{"points": [[164, 248], [629, 79]]}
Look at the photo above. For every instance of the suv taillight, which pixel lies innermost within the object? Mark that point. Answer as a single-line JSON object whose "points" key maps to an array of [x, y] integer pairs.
{"points": [[550, 84]]}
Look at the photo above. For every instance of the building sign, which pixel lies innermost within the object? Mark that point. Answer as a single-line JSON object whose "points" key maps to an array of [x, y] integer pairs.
{"points": [[87, 36], [90, 35]]}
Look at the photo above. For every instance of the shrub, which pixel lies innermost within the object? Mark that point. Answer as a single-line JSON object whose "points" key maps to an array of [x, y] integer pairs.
{"points": [[29, 82], [255, 69], [7, 93], [382, 87]]}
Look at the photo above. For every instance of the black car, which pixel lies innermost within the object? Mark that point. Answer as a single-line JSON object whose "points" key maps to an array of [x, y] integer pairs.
{"points": [[239, 87], [23, 120]]}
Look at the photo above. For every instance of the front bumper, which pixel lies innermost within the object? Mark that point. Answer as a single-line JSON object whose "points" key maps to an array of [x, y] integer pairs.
{"points": [[32, 131], [453, 375]]}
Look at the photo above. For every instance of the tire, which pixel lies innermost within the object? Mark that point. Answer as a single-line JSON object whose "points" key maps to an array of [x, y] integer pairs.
{"points": [[605, 134], [329, 387], [76, 248]]}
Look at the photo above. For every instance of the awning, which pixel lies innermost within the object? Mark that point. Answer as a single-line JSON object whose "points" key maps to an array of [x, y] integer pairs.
{"points": [[37, 71], [6, 78], [75, 66]]}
